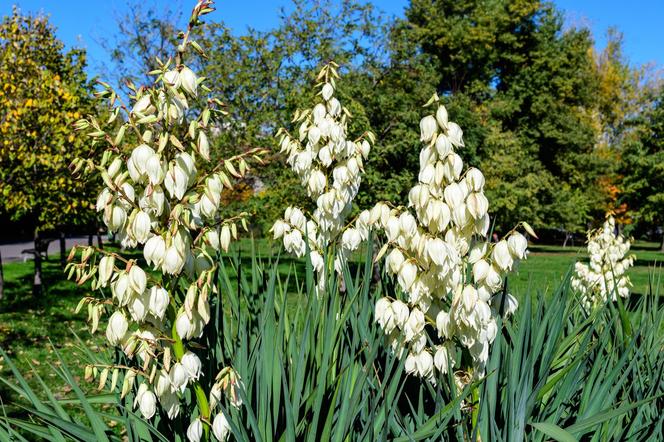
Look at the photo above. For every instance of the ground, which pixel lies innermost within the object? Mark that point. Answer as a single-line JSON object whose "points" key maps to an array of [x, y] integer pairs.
{"points": [[29, 326]]}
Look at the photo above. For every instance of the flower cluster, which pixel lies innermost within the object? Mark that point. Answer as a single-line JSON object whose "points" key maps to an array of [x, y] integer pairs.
{"points": [[442, 259], [329, 166], [158, 198], [604, 278]]}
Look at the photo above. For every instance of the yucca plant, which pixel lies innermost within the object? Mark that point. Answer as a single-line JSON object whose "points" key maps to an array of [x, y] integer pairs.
{"points": [[316, 368], [308, 368], [560, 371]]}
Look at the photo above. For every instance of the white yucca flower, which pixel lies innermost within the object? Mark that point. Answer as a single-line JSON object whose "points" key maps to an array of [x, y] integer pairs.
{"points": [[604, 278], [158, 196], [442, 259], [330, 165]]}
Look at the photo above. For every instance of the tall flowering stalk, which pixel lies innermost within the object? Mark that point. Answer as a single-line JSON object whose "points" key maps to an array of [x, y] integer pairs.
{"points": [[329, 165], [157, 199], [604, 277], [452, 275]]}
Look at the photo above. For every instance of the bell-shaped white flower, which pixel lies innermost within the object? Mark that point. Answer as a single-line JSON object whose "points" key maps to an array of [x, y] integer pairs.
{"points": [[501, 255], [158, 302], [179, 377], [220, 427], [188, 80], [517, 244], [117, 327], [173, 261], [195, 430], [192, 364], [147, 403], [428, 128], [137, 279]]}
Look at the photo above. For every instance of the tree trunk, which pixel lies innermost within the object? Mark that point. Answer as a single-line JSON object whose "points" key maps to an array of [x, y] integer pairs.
{"points": [[567, 235], [100, 243], [90, 239], [661, 246], [2, 279], [63, 250], [37, 284]]}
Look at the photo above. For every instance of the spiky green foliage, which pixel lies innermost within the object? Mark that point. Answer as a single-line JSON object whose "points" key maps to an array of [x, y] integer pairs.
{"points": [[318, 369]]}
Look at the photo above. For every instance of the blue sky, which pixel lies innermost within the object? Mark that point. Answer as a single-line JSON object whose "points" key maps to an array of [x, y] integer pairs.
{"points": [[85, 23]]}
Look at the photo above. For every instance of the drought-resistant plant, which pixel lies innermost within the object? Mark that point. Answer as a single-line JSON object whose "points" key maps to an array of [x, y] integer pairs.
{"points": [[329, 164], [443, 260], [604, 277], [159, 197]]}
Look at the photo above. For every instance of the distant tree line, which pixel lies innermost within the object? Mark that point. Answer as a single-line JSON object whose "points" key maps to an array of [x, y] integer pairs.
{"points": [[564, 132]]}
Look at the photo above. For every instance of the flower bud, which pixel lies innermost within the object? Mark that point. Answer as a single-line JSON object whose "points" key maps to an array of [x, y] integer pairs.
{"points": [[225, 237], [195, 430], [117, 327], [441, 116], [106, 264], [203, 145], [114, 168]]}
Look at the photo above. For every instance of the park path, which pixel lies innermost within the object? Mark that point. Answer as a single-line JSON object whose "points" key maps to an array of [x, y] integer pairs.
{"points": [[12, 252]]}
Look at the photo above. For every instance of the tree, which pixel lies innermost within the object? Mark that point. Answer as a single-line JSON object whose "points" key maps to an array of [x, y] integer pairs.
{"points": [[644, 168], [44, 91]]}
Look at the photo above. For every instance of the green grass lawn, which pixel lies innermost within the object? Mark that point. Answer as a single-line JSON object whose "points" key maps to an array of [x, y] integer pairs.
{"points": [[28, 325], [546, 267]]}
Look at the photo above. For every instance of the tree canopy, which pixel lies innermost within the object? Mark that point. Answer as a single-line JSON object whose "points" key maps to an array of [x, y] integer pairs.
{"points": [[44, 91]]}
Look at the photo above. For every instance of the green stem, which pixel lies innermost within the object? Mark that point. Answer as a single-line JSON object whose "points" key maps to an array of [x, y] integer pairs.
{"points": [[476, 407]]}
